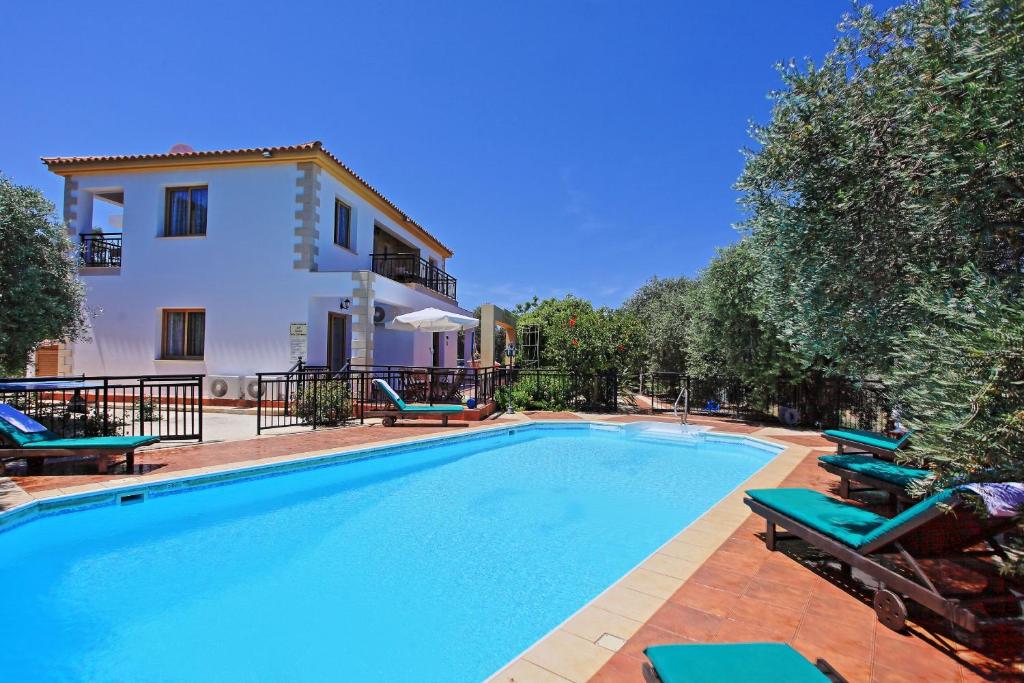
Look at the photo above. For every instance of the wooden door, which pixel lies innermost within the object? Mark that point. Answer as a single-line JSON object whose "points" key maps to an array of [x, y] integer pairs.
{"points": [[46, 360]]}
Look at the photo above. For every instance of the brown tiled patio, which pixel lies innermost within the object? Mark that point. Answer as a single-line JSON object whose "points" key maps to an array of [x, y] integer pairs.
{"points": [[745, 593]]}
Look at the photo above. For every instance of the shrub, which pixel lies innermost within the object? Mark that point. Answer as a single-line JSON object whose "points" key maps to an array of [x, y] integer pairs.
{"points": [[324, 402]]}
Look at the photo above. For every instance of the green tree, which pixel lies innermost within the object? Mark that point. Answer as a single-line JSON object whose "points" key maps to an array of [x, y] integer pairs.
{"points": [[898, 159], [41, 296], [728, 335], [576, 336], [662, 315], [960, 380]]}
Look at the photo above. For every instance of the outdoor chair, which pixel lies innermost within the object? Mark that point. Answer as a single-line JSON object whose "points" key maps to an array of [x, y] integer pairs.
{"points": [[402, 409], [874, 474], [862, 441], [25, 438], [740, 662], [891, 551], [448, 387]]}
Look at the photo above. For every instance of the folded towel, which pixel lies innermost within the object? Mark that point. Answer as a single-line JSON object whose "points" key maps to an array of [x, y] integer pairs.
{"points": [[1001, 499], [19, 420]]}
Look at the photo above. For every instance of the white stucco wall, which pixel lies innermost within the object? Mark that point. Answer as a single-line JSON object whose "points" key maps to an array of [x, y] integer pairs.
{"points": [[364, 218], [241, 273]]}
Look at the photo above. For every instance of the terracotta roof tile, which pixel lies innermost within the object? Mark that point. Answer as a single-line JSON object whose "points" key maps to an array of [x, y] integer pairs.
{"points": [[312, 146]]}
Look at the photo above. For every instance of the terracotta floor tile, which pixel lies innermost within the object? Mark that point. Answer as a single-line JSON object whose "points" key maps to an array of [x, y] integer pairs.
{"points": [[620, 669], [776, 593], [686, 622], [771, 617], [645, 637], [704, 598], [721, 579], [743, 631]]}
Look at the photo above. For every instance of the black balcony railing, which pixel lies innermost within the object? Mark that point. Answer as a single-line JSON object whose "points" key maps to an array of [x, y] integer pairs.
{"points": [[411, 268], [101, 250]]}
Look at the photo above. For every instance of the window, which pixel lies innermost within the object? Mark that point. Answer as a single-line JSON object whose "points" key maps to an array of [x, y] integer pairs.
{"points": [[186, 211], [184, 335], [342, 224]]}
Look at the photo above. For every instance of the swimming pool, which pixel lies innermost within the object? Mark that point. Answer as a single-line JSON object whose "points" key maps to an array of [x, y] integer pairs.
{"points": [[438, 562]]}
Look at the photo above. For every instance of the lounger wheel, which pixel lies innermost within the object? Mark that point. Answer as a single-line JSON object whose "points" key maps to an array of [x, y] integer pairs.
{"points": [[389, 421], [890, 609]]}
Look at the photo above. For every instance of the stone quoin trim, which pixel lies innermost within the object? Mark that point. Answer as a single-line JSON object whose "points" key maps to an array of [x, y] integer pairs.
{"points": [[307, 216], [362, 318], [70, 204]]}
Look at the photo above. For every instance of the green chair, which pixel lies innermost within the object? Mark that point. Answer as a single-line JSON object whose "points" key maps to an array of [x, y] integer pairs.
{"points": [[760, 662], [862, 441], [25, 438], [873, 473], [402, 409], [888, 550]]}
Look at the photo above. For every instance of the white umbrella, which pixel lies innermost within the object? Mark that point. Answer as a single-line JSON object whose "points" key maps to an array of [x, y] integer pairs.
{"points": [[433, 320]]}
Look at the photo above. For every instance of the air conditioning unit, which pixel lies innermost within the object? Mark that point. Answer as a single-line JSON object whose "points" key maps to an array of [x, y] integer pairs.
{"points": [[251, 388], [223, 386], [379, 314]]}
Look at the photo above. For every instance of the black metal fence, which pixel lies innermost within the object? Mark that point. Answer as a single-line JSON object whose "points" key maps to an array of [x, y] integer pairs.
{"points": [[831, 402], [413, 268], [100, 250], [555, 389], [168, 406], [318, 397]]}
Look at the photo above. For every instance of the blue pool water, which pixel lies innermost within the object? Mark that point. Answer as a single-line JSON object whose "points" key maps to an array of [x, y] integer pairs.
{"points": [[435, 564]]}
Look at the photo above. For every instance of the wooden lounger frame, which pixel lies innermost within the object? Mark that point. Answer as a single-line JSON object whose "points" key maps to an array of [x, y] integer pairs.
{"points": [[922, 590], [898, 496], [104, 456], [858, 447], [391, 415]]}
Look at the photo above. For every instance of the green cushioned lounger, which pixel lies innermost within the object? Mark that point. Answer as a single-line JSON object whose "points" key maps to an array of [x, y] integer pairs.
{"points": [[33, 441], [873, 473], [862, 440], [887, 550], [738, 662], [403, 408]]}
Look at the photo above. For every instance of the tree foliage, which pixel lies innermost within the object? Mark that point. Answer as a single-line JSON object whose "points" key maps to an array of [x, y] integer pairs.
{"points": [[40, 294], [729, 336], [578, 337], [899, 158], [660, 308]]}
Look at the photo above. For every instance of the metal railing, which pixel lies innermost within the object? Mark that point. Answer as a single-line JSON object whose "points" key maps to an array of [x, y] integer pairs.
{"points": [[555, 389], [168, 406], [100, 250], [832, 402], [317, 397], [412, 268]]}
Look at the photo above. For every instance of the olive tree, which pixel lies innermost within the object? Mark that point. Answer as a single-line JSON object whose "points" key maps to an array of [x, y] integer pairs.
{"points": [[41, 296]]}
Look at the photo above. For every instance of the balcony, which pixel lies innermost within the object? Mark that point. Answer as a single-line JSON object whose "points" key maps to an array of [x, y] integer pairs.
{"points": [[100, 250], [410, 268]]}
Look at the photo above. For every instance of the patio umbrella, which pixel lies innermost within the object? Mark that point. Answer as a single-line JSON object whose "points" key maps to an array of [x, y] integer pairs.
{"points": [[433, 320]]}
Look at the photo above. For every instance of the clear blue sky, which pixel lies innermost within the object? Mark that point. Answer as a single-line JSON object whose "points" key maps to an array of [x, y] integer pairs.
{"points": [[557, 146]]}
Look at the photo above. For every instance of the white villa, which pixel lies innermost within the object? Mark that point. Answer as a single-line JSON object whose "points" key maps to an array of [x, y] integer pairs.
{"points": [[231, 262]]}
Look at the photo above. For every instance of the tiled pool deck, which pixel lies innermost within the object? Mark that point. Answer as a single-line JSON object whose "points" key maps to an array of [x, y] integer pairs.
{"points": [[714, 582]]}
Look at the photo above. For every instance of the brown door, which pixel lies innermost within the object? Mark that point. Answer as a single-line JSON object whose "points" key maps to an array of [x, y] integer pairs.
{"points": [[337, 341], [46, 360]]}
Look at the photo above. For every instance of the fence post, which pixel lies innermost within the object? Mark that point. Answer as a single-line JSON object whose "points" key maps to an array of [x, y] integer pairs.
{"points": [[615, 390], [142, 406], [259, 402], [316, 398], [106, 398], [199, 398]]}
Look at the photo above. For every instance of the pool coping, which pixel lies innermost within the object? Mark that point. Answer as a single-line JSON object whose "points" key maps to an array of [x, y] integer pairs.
{"points": [[572, 651]]}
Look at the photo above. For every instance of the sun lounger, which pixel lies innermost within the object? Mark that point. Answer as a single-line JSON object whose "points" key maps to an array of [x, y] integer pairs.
{"points": [[25, 438], [739, 662], [873, 473], [861, 441], [889, 550], [402, 409]]}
